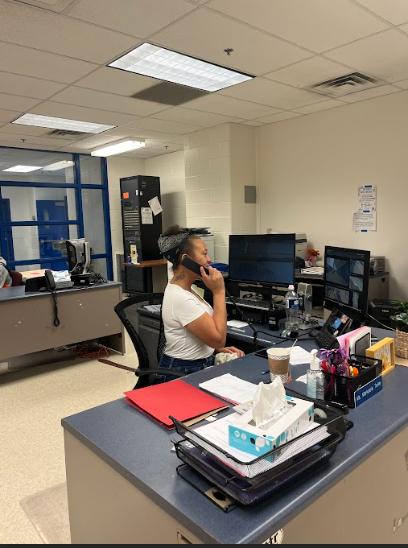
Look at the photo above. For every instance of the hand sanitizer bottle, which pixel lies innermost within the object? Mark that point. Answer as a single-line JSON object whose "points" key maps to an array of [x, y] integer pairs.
{"points": [[315, 379]]}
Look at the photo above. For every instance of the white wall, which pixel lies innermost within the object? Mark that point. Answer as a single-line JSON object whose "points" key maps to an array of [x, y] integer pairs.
{"points": [[311, 168], [118, 168], [170, 168]]}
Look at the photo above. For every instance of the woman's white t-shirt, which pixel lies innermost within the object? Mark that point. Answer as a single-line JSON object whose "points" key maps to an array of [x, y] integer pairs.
{"points": [[180, 308]]}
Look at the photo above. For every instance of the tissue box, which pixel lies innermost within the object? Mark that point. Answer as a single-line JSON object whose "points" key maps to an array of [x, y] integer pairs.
{"points": [[258, 441]]}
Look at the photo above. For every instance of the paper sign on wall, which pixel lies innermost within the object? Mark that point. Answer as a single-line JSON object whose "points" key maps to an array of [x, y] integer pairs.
{"points": [[365, 219], [147, 216], [156, 206]]}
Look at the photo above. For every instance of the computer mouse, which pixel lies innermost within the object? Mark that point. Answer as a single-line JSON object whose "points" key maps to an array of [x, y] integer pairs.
{"points": [[293, 334]]}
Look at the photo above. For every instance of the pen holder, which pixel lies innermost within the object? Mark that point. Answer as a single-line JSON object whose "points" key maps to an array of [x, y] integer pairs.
{"points": [[341, 389]]}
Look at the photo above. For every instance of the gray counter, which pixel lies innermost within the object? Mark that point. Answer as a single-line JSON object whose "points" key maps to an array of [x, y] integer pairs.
{"points": [[140, 451]]}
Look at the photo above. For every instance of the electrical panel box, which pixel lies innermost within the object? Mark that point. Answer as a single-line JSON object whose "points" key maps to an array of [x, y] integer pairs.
{"points": [[141, 217]]}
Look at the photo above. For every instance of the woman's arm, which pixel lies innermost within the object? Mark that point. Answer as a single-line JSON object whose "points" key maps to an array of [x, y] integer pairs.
{"points": [[212, 331]]}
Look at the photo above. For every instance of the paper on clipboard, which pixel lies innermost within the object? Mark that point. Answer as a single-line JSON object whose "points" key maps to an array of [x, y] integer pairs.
{"points": [[156, 206], [147, 216]]}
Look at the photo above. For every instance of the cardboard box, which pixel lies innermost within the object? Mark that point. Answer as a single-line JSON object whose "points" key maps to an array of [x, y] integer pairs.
{"points": [[245, 436]]}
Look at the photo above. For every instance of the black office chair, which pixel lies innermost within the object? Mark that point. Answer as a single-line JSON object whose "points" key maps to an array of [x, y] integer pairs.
{"points": [[128, 314]]}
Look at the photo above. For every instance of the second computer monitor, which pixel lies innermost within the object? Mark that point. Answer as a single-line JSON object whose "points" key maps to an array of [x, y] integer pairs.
{"points": [[346, 279], [263, 258]]}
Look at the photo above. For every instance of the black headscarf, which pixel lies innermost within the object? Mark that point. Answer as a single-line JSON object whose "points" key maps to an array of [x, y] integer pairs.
{"points": [[172, 246]]}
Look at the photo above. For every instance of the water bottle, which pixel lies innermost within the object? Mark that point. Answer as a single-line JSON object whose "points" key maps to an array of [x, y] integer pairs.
{"points": [[292, 309], [315, 379]]}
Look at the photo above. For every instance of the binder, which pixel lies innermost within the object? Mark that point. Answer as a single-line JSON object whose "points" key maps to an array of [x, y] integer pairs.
{"points": [[175, 398]]}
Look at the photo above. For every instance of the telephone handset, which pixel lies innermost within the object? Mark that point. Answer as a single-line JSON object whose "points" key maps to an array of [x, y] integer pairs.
{"points": [[193, 266], [49, 280]]}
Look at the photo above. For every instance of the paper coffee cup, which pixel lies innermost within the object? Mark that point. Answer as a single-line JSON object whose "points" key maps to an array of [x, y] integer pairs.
{"points": [[279, 363]]}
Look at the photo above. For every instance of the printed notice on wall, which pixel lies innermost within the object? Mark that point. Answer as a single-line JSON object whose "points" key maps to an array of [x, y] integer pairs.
{"points": [[365, 220], [147, 216], [156, 206]]}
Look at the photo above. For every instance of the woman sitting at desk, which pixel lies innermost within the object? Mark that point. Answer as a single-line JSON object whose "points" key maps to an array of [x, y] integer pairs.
{"points": [[192, 327], [5, 278]]}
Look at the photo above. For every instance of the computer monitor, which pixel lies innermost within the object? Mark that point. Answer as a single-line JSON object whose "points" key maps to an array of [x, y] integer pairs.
{"points": [[346, 279], [79, 256], [263, 258]]}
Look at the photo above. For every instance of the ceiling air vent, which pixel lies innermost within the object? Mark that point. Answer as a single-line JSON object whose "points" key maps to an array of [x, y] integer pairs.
{"points": [[345, 85], [66, 133], [168, 93]]}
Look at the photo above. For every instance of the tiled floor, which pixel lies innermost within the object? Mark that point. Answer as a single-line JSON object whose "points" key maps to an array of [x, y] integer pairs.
{"points": [[32, 404]]}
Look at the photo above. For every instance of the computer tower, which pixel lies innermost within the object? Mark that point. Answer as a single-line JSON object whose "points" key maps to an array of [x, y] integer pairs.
{"points": [[142, 223]]}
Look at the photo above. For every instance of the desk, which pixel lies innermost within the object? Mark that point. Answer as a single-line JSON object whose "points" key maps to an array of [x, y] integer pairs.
{"points": [[86, 313], [123, 487]]}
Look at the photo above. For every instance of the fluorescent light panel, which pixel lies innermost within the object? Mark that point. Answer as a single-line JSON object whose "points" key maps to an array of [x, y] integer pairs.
{"points": [[38, 120], [59, 166], [171, 66], [22, 169], [118, 148]]}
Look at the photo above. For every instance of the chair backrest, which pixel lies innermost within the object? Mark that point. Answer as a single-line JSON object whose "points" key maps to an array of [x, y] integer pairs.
{"points": [[127, 311]]}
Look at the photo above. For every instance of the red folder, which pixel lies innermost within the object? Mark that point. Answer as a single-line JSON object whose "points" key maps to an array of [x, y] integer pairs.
{"points": [[175, 398]]}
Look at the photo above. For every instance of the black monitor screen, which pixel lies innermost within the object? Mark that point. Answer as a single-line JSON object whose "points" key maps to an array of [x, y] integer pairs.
{"points": [[264, 258], [346, 278]]}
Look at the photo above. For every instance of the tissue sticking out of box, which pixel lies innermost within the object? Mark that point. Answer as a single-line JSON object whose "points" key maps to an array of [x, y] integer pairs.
{"points": [[270, 404]]}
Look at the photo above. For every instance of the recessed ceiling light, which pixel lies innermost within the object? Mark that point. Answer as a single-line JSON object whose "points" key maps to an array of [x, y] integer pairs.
{"points": [[23, 169], [59, 166], [118, 148], [38, 120], [168, 65]]}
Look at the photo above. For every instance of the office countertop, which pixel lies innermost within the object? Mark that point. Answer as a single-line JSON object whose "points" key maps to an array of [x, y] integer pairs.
{"points": [[140, 451], [13, 293]]}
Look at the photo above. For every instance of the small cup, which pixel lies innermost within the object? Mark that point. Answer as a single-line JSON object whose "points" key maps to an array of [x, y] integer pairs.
{"points": [[279, 364]]}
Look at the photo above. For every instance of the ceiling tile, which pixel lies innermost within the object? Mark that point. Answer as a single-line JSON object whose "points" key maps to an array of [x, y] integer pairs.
{"points": [[394, 11], [15, 84], [310, 71], [384, 55], [22, 104], [279, 117], [318, 25], [370, 94], [253, 123], [166, 148], [403, 84], [324, 105], [141, 18], [5, 142], [72, 112], [220, 104], [53, 5], [30, 62], [27, 130], [205, 34], [273, 94], [107, 101], [116, 81], [31, 139], [8, 115], [164, 126], [156, 137], [47, 31], [91, 143], [194, 117]]}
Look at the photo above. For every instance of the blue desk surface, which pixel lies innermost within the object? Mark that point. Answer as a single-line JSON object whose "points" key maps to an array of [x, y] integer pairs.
{"points": [[140, 451], [13, 293]]}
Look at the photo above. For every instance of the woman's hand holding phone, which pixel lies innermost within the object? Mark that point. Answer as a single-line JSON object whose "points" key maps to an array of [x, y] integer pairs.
{"points": [[213, 280]]}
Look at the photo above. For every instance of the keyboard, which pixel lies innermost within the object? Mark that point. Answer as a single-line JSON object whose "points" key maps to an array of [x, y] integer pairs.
{"points": [[251, 303], [325, 339]]}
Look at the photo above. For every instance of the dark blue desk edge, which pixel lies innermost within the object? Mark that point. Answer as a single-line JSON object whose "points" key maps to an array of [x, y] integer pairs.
{"points": [[349, 455]]}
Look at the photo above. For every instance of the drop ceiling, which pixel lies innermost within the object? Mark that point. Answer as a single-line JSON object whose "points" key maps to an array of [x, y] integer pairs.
{"points": [[54, 56]]}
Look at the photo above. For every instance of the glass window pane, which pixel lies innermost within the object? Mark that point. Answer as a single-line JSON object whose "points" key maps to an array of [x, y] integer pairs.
{"points": [[46, 166], [91, 170], [39, 204], [99, 266], [44, 242], [94, 226]]}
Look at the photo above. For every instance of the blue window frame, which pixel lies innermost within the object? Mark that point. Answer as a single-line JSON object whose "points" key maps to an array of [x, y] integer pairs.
{"points": [[31, 232]]}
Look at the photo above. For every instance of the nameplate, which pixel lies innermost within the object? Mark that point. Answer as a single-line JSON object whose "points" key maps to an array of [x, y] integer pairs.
{"points": [[368, 391]]}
